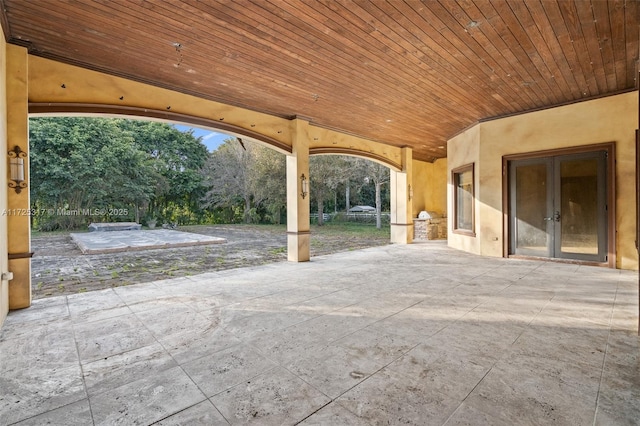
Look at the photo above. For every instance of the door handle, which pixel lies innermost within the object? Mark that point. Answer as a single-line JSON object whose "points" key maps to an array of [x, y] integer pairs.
{"points": [[555, 217]]}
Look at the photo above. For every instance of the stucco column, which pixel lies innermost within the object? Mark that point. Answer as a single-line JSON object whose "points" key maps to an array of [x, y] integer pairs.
{"points": [[18, 206], [401, 202], [298, 236]]}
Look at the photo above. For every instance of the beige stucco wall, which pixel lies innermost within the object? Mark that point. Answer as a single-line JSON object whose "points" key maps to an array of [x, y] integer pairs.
{"points": [[462, 150], [4, 285], [610, 119], [429, 186]]}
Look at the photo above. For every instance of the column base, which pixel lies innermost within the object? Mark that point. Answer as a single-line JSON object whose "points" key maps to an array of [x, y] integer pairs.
{"points": [[298, 244], [401, 233]]}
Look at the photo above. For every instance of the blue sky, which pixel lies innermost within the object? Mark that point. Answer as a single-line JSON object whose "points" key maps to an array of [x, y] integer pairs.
{"points": [[212, 140]]}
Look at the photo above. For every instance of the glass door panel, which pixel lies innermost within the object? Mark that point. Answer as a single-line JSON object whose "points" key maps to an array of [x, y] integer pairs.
{"points": [[581, 206], [530, 208]]}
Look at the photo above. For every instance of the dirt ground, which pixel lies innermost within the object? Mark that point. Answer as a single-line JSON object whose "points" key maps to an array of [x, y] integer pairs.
{"points": [[58, 266]]}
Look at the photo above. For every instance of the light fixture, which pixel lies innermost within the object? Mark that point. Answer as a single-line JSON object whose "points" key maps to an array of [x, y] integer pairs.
{"points": [[410, 193], [305, 186], [16, 169]]}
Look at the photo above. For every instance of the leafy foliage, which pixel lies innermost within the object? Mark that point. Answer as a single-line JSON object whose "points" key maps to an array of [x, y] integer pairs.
{"points": [[361, 181], [151, 170], [326, 173], [248, 175], [177, 160], [106, 165]]}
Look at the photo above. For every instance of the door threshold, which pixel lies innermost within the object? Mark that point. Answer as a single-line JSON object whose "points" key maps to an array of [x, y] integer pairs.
{"points": [[557, 260]]}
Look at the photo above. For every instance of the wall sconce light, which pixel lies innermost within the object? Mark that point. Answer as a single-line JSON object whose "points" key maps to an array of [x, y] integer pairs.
{"points": [[305, 186], [16, 169], [410, 193]]}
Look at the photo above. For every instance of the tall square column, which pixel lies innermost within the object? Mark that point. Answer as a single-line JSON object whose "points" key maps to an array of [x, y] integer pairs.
{"points": [[401, 201], [18, 203], [298, 235]]}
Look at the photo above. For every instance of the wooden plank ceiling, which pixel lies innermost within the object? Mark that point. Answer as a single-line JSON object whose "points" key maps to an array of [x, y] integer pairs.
{"points": [[401, 72]]}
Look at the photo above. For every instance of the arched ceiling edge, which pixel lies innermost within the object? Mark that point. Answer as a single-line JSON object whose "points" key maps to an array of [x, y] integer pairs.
{"points": [[136, 112], [356, 153]]}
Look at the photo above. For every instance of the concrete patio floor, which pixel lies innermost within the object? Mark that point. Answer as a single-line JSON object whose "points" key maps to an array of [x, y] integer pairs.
{"points": [[418, 334]]}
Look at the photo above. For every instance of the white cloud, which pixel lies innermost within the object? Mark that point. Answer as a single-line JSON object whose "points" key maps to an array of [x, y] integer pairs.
{"points": [[209, 136]]}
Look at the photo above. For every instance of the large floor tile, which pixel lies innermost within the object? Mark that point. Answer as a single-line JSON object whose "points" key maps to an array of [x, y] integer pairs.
{"points": [[446, 369], [203, 413], [108, 337], [331, 302], [393, 398], [276, 397], [172, 319], [255, 325], [147, 400], [467, 415], [25, 393], [202, 340], [381, 348], [484, 342], [410, 324], [97, 305], [619, 393], [299, 340], [74, 414], [41, 312], [227, 368], [111, 372], [334, 370], [564, 345], [46, 348], [135, 294], [519, 394], [334, 414]]}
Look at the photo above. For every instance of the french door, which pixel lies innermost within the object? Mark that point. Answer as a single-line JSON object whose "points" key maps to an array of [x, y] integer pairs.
{"points": [[558, 206]]}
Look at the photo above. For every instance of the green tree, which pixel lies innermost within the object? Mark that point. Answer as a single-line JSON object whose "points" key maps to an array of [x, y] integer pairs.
{"points": [[270, 180], [228, 177], [98, 163], [248, 177], [130, 174], [66, 160], [178, 160], [325, 174], [378, 175]]}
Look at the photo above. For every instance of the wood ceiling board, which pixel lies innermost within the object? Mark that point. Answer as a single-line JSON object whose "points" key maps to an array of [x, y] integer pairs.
{"points": [[513, 71], [481, 49], [400, 72], [544, 33], [568, 48], [407, 78]]}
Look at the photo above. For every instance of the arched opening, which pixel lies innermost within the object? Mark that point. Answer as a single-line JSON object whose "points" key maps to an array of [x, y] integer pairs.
{"points": [[70, 274], [349, 188], [348, 195]]}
